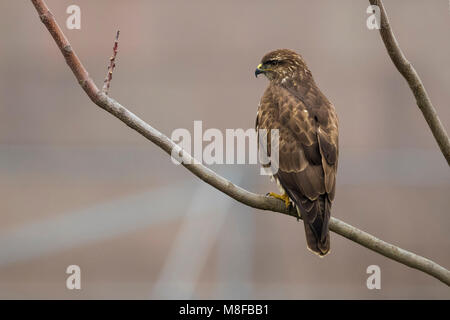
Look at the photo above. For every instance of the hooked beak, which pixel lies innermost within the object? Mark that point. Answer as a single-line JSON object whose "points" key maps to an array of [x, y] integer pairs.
{"points": [[259, 70]]}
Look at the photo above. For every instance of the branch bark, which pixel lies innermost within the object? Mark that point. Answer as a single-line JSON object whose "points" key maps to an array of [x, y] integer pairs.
{"points": [[220, 183], [409, 73]]}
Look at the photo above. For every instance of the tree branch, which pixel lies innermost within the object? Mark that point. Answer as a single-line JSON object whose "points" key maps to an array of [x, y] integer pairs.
{"points": [[111, 66], [220, 183], [409, 73]]}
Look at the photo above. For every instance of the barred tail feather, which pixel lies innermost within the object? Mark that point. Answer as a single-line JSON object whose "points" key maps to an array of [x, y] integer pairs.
{"points": [[317, 231]]}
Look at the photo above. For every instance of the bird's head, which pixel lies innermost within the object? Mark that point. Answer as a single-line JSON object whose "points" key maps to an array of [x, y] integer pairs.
{"points": [[281, 65]]}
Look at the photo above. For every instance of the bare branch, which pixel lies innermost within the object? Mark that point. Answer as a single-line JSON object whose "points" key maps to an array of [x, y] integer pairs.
{"points": [[220, 183], [112, 65], [409, 73]]}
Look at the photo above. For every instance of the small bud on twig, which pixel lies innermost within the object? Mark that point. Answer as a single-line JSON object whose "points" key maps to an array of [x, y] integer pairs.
{"points": [[111, 66]]}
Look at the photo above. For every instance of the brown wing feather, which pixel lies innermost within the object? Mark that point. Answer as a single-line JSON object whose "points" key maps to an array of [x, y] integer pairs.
{"points": [[308, 152]]}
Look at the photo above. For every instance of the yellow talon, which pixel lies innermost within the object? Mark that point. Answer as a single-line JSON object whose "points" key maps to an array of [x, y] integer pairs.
{"points": [[283, 197]]}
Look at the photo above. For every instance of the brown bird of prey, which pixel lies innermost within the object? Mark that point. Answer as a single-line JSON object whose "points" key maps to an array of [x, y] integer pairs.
{"points": [[308, 141]]}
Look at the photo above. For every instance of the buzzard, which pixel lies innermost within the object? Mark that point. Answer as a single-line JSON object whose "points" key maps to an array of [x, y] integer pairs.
{"points": [[308, 141]]}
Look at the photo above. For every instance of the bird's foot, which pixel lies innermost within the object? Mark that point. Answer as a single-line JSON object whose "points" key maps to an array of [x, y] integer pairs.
{"points": [[283, 197]]}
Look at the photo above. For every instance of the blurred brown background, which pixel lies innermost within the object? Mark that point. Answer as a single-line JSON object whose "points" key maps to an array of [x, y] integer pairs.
{"points": [[79, 187]]}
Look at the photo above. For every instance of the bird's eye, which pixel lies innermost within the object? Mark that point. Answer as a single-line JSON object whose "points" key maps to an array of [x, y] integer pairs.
{"points": [[272, 62]]}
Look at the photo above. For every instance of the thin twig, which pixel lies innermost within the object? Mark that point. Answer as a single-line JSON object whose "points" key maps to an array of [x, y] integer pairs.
{"points": [[220, 183], [111, 66], [409, 73]]}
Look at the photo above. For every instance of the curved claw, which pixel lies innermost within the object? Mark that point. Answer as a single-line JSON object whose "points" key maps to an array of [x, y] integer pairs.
{"points": [[284, 197]]}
